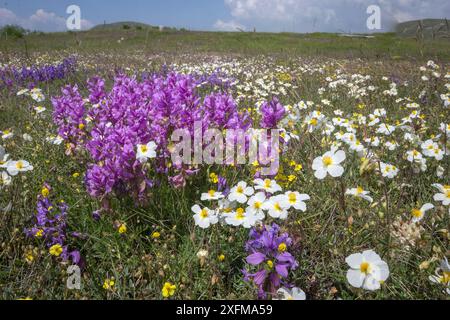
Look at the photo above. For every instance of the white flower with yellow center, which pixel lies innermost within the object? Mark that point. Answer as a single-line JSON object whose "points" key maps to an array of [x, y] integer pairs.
{"points": [[414, 156], [6, 134], [418, 214], [442, 275], [240, 192], [357, 146], [290, 294], [329, 163], [39, 109], [211, 195], [428, 147], [276, 207], [36, 95], [14, 167], [268, 185], [388, 170], [204, 217], [360, 193], [240, 217], [256, 204], [146, 151], [385, 129], [56, 140], [444, 194], [367, 270], [295, 200]]}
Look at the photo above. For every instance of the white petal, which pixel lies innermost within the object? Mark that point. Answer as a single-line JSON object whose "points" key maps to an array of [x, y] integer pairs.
{"points": [[320, 173], [371, 256], [354, 260], [339, 156], [427, 206], [335, 170], [355, 278]]}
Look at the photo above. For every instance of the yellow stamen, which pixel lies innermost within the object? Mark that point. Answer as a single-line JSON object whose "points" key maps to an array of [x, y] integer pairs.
{"points": [[327, 161]]}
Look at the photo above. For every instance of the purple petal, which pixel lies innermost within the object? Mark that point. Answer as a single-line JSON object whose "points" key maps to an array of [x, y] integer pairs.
{"points": [[256, 258]]}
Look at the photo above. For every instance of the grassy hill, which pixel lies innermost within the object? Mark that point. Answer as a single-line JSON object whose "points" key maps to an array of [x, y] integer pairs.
{"points": [[427, 28], [151, 40], [125, 25]]}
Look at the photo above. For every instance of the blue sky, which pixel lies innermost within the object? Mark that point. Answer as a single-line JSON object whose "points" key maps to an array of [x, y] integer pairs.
{"points": [[195, 14], [264, 15]]}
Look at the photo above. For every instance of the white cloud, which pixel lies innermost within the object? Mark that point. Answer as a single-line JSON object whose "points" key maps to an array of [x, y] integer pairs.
{"points": [[228, 25], [40, 20], [330, 15], [7, 17]]}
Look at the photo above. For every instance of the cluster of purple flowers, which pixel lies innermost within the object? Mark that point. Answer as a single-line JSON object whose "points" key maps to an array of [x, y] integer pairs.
{"points": [[267, 248], [272, 112], [51, 225], [134, 113], [69, 115], [30, 77]]}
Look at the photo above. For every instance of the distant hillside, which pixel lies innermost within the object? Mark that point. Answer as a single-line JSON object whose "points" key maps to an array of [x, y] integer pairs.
{"points": [[123, 25], [429, 28]]}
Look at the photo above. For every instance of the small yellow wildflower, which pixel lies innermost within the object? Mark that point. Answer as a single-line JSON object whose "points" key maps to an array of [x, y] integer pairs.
{"points": [[29, 257], [108, 284], [122, 228], [56, 250], [282, 247], [45, 192], [213, 178], [168, 289], [292, 178], [156, 235], [221, 257]]}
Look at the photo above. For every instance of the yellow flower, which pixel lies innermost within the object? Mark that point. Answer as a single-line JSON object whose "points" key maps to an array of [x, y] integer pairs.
{"points": [[29, 257], [39, 233], [298, 167], [108, 284], [156, 235], [213, 178], [122, 228], [76, 175], [56, 250], [282, 247], [168, 289], [45, 192], [291, 178], [221, 257]]}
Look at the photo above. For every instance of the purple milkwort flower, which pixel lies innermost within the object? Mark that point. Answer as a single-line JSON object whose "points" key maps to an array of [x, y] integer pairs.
{"points": [[51, 225], [133, 113], [96, 215], [178, 181], [267, 249], [223, 186], [30, 76], [69, 116], [96, 86], [272, 113]]}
